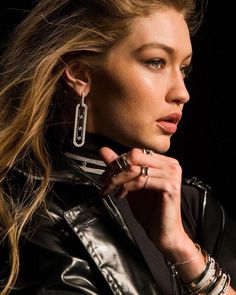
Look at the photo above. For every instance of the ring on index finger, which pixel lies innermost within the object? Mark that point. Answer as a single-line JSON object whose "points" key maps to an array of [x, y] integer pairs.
{"points": [[119, 164], [148, 152]]}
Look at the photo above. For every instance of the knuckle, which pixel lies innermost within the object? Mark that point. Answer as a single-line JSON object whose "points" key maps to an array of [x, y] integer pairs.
{"points": [[135, 155], [113, 181], [133, 169], [175, 166], [171, 187], [175, 162]]}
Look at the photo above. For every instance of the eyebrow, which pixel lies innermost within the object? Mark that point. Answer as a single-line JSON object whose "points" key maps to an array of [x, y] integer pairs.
{"points": [[165, 47]]}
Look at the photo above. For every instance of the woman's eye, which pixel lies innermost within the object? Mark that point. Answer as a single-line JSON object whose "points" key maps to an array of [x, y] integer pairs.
{"points": [[155, 63], [186, 70]]}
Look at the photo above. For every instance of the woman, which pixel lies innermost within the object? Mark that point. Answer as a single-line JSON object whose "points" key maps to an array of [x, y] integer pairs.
{"points": [[91, 93]]}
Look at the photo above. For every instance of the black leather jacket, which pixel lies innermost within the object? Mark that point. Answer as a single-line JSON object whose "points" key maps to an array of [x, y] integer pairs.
{"points": [[83, 245]]}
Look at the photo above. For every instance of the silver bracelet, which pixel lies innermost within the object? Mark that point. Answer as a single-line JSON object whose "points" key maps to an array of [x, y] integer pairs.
{"points": [[192, 258], [212, 281], [206, 280], [219, 285], [207, 258], [226, 286]]}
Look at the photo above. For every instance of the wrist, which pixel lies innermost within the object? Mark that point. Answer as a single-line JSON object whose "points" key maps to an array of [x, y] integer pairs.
{"points": [[212, 280], [199, 273], [179, 248], [187, 259]]}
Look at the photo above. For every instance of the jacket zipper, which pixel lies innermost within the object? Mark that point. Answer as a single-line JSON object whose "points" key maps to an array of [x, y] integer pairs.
{"points": [[173, 279]]}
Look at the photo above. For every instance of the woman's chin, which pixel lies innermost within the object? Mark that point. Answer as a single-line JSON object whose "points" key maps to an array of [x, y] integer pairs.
{"points": [[160, 146]]}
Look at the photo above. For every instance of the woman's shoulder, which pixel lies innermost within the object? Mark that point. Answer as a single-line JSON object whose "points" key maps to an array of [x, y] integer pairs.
{"points": [[194, 196], [193, 192], [194, 186]]}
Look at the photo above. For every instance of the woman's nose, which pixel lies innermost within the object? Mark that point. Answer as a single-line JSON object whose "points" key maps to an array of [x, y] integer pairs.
{"points": [[178, 92]]}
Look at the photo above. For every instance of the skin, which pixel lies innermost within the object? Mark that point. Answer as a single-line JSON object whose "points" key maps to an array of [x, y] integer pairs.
{"points": [[144, 78], [140, 82]]}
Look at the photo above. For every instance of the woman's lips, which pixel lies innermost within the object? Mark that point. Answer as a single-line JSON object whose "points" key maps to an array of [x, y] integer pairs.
{"points": [[167, 127], [169, 123]]}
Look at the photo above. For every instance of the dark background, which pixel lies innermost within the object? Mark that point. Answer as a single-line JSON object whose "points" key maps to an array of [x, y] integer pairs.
{"points": [[204, 143]]}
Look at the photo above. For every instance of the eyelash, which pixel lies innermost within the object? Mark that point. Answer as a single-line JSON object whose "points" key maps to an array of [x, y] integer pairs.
{"points": [[155, 63], [160, 63], [186, 70]]}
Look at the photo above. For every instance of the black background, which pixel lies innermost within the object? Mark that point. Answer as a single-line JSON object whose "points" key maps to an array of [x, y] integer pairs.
{"points": [[205, 141], [205, 144]]}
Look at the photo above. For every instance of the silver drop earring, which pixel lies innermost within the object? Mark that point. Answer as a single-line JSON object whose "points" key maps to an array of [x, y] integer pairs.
{"points": [[80, 122]]}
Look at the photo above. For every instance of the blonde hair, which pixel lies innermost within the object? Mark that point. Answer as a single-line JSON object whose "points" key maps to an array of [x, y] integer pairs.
{"points": [[52, 36]]}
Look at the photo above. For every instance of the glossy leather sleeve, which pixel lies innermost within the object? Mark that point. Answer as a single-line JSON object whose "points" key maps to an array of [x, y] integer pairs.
{"points": [[53, 262], [81, 251]]}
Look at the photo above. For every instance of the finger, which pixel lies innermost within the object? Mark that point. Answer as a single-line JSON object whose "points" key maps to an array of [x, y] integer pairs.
{"points": [[135, 180], [172, 188], [126, 181], [108, 154], [159, 182], [138, 158], [165, 168], [135, 172], [159, 166]]}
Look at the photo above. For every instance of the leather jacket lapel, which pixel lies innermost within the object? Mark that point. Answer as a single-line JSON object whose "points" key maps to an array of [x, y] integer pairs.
{"points": [[118, 259]]}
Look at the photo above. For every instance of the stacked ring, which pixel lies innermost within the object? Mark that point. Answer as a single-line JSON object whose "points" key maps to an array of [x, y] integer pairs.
{"points": [[144, 171], [148, 152], [119, 164]]}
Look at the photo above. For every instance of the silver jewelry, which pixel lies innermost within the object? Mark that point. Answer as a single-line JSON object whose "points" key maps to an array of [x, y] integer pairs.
{"points": [[212, 281], [220, 285], [148, 152], [124, 162], [80, 122], [120, 164], [199, 250], [144, 171]]}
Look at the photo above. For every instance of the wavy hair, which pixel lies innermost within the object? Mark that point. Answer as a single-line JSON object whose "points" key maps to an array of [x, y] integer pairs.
{"points": [[52, 36]]}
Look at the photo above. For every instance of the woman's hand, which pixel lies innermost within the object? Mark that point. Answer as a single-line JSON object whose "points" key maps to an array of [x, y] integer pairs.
{"points": [[153, 198], [155, 201]]}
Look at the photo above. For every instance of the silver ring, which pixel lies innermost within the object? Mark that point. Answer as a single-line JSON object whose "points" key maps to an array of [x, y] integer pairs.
{"points": [[119, 164], [123, 162], [144, 171], [148, 152]]}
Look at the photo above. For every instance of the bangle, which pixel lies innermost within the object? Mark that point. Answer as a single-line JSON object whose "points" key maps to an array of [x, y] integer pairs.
{"points": [[221, 282], [210, 285], [212, 281], [208, 261], [209, 279], [198, 287], [191, 259], [226, 286]]}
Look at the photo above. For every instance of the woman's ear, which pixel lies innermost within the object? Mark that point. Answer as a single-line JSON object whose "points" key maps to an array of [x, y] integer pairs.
{"points": [[77, 76]]}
